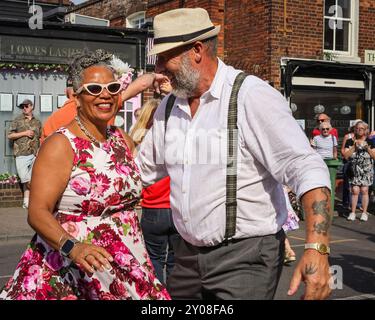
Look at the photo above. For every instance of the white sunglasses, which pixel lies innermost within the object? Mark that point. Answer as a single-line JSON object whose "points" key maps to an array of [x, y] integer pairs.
{"points": [[96, 89]]}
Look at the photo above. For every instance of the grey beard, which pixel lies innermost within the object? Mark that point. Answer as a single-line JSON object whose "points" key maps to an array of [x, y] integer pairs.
{"points": [[187, 80]]}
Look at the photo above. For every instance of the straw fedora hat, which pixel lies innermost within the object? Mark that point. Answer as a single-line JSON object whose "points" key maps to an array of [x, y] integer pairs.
{"points": [[176, 28]]}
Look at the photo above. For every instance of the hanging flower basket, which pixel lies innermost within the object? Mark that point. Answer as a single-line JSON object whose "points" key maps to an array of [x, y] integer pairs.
{"points": [[33, 67]]}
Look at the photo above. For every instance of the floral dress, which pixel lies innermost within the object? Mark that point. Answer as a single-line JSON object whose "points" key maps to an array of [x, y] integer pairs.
{"points": [[96, 207], [362, 165], [291, 222]]}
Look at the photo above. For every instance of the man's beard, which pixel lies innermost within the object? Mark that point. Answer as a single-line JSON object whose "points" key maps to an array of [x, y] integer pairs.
{"points": [[186, 79]]}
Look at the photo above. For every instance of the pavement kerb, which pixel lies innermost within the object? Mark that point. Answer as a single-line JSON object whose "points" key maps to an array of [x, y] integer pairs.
{"points": [[6, 238]]}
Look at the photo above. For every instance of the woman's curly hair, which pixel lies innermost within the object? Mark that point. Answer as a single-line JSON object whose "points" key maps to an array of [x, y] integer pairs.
{"points": [[85, 60]]}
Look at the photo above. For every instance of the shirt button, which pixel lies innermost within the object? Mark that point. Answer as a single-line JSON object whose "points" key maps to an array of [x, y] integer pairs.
{"points": [[185, 220]]}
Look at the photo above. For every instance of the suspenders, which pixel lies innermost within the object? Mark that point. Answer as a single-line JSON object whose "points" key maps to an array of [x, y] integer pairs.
{"points": [[231, 180], [231, 202], [168, 109]]}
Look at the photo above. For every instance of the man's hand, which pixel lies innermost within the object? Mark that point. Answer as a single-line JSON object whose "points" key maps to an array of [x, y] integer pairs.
{"points": [[29, 133], [313, 269]]}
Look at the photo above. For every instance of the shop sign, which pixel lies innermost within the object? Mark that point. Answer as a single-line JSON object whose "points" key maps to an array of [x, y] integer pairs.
{"points": [[41, 50], [370, 57]]}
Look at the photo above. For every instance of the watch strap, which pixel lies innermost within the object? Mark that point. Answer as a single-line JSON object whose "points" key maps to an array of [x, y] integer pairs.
{"points": [[320, 247], [68, 246]]}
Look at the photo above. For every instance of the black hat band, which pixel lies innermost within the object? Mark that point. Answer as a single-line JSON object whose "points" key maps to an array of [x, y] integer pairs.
{"points": [[183, 37]]}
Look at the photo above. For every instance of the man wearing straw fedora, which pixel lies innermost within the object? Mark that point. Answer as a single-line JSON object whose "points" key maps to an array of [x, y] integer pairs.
{"points": [[228, 142]]}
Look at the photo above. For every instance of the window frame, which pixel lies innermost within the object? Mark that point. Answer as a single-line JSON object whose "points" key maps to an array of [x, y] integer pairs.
{"points": [[352, 52], [136, 16]]}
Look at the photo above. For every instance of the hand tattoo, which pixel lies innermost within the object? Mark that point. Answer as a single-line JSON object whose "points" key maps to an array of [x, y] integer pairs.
{"points": [[310, 269], [322, 208]]}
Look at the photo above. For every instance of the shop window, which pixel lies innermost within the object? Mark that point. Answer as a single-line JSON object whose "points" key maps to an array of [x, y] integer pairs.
{"points": [[342, 106], [136, 20], [341, 29]]}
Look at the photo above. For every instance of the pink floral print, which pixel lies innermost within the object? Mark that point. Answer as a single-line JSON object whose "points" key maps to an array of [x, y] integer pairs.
{"points": [[80, 186], [97, 207], [99, 184]]}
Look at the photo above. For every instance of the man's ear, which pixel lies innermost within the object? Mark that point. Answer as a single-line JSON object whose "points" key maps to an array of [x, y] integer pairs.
{"points": [[198, 51]]}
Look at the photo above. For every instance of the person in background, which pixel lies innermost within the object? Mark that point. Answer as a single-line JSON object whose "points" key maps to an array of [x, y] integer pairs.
{"points": [[88, 243], [144, 121], [360, 153], [291, 224], [346, 195], [64, 115], [25, 132], [325, 144], [320, 118], [372, 191], [137, 113], [372, 136]]}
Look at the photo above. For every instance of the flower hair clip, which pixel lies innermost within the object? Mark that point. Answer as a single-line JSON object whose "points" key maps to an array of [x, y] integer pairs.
{"points": [[123, 72]]}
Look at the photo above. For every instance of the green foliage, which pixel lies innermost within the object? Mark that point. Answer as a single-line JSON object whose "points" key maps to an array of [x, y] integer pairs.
{"points": [[126, 228], [329, 56], [9, 178]]}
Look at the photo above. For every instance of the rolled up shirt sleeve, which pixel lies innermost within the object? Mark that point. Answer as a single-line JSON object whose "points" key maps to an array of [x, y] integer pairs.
{"points": [[150, 158], [278, 142], [13, 127]]}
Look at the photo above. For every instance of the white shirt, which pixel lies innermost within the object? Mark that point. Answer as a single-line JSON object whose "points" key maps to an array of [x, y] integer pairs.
{"points": [[272, 149], [324, 145]]}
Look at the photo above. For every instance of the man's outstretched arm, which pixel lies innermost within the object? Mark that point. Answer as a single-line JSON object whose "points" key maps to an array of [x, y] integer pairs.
{"points": [[313, 268]]}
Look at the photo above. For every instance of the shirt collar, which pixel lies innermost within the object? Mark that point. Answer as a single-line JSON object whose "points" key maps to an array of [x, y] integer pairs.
{"points": [[219, 79], [24, 116]]}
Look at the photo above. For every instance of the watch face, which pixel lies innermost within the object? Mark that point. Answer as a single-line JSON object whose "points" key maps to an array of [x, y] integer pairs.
{"points": [[323, 248], [67, 247]]}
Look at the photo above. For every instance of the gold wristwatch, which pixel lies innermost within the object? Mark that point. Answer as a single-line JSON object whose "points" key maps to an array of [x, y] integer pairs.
{"points": [[320, 247]]}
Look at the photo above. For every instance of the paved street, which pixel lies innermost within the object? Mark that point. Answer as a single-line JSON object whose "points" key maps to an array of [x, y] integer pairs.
{"points": [[353, 249]]}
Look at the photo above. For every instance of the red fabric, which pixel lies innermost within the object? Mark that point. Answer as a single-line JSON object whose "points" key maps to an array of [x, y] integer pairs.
{"points": [[156, 196], [333, 132]]}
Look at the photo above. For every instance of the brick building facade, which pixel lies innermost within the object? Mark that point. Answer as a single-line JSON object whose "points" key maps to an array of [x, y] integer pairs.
{"points": [[313, 51], [257, 35], [116, 11]]}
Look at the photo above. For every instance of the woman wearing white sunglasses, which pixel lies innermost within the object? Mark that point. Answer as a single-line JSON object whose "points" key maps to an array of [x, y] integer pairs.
{"points": [[88, 243]]}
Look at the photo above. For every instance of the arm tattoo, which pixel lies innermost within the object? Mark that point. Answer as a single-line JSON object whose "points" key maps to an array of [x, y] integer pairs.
{"points": [[310, 269], [322, 208]]}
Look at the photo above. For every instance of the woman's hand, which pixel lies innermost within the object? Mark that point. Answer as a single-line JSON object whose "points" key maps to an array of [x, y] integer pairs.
{"points": [[160, 83], [143, 82], [91, 257], [165, 87]]}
